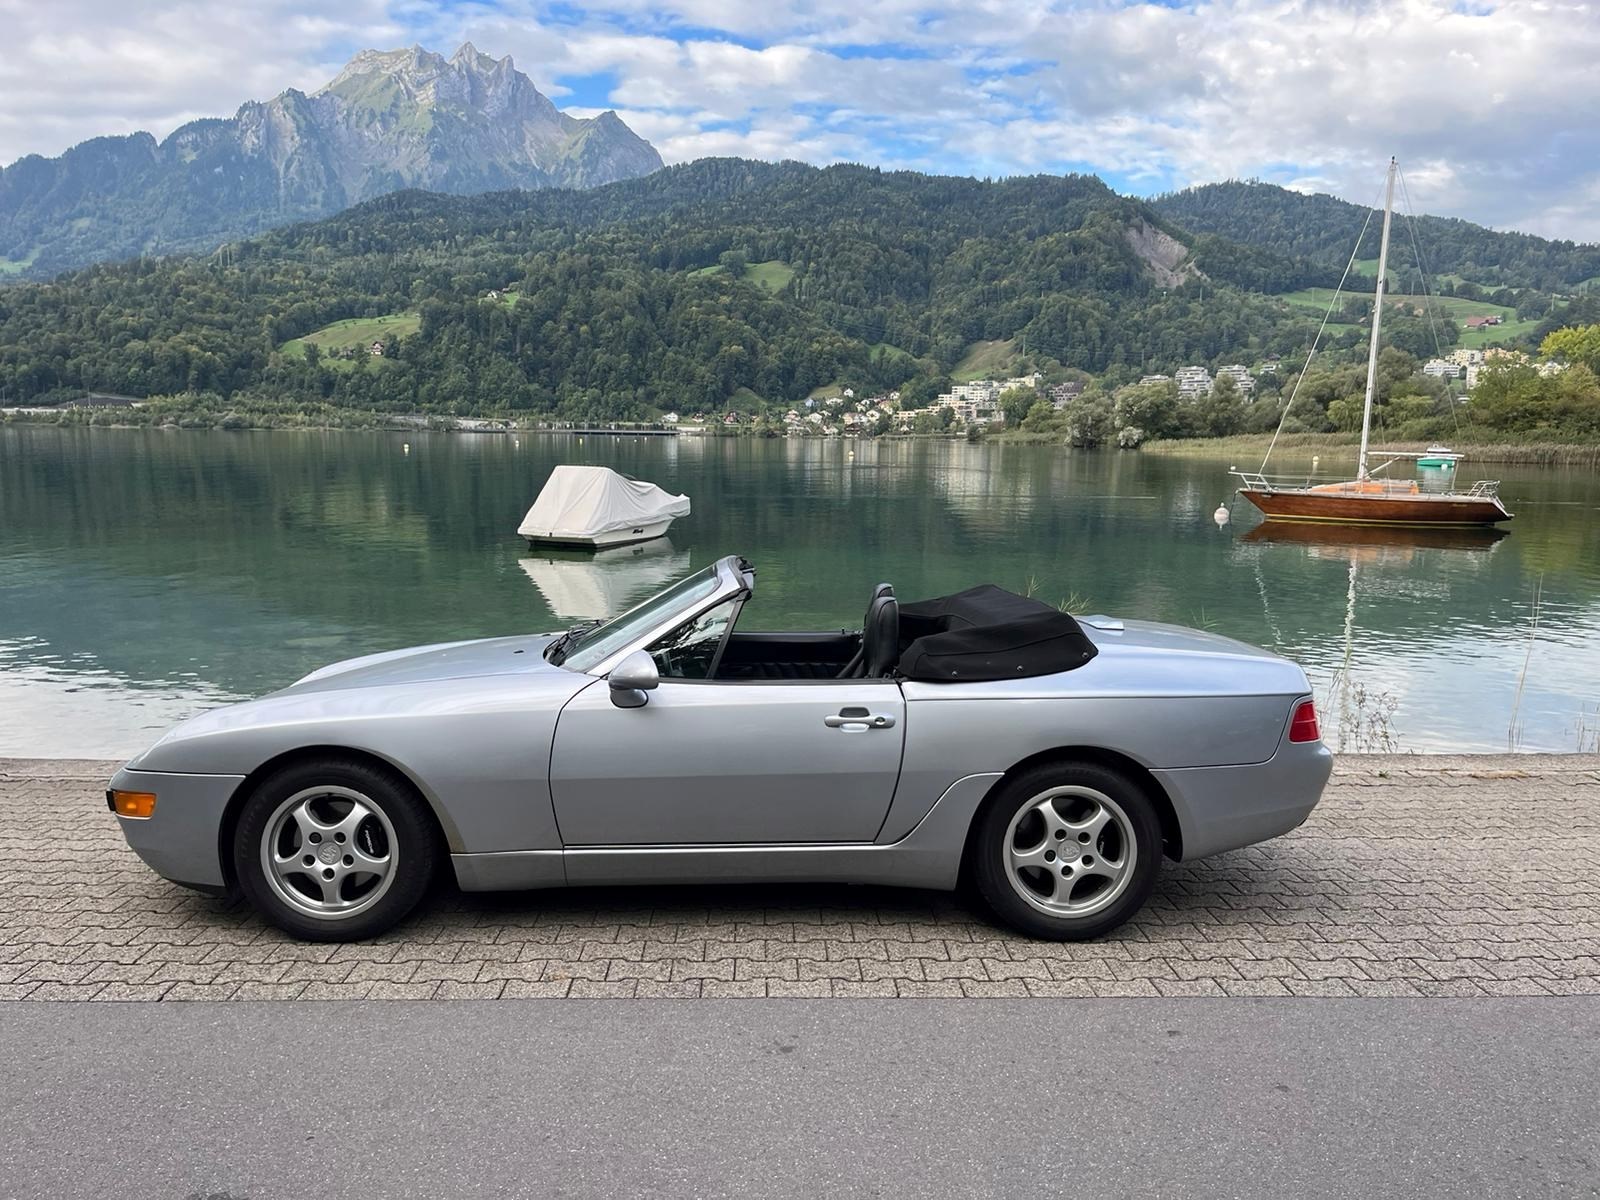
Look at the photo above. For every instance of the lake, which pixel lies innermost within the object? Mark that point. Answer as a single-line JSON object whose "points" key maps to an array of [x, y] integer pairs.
{"points": [[146, 575]]}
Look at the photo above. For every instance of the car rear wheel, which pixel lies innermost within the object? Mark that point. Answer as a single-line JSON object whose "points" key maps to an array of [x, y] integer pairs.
{"points": [[336, 850], [1067, 851]]}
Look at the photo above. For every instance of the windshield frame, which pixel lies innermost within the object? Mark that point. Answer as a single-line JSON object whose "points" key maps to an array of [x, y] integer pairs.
{"points": [[733, 577]]}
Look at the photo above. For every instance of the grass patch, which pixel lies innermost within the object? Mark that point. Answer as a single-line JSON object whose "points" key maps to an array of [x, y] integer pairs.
{"points": [[986, 360], [774, 274], [1454, 308], [356, 333], [16, 266]]}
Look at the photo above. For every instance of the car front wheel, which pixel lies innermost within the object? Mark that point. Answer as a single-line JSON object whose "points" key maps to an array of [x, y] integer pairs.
{"points": [[334, 850], [1068, 851]]}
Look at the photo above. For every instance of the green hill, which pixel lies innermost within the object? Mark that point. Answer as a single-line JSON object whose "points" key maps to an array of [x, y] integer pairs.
{"points": [[852, 277], [1323, 229]]}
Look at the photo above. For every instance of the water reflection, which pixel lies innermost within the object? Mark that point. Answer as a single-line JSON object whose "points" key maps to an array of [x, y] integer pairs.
{"points": [[579, 585], [195, 566]]}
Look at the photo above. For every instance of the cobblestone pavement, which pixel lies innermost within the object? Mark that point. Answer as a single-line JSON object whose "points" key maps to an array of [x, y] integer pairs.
{"points": [[1417, 876]]}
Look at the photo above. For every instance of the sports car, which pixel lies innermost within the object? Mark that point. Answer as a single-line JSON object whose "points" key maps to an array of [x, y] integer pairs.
{"points": [[1051, 762]]}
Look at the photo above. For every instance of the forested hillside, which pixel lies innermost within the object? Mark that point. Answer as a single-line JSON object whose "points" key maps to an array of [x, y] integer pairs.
{"points": [[1323, 229], [715, 284]]}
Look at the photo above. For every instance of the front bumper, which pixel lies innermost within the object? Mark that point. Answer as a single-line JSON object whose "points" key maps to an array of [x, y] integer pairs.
{"points": [[1223, 808], [182, 840]]}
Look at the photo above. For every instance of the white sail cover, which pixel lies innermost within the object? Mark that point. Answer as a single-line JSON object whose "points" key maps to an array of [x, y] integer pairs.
{"points": [[579, 503]]}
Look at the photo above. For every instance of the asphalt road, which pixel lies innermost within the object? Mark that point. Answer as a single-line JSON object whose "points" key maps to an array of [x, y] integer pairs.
{"points": [[1239, 1097]]}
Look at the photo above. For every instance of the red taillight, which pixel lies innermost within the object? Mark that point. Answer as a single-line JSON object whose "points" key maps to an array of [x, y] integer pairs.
{"points": [[1303, 725]]}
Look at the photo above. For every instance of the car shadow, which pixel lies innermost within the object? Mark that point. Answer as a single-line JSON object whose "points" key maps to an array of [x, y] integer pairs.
{"points": [[1275, 883]]}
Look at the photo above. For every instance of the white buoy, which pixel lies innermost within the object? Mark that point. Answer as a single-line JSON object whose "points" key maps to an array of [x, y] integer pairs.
{"points": [[1222, 516], [405, 447], [1315, 459]]}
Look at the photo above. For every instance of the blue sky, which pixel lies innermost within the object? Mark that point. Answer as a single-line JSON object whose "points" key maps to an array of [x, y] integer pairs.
{"points": [[1489, 105]]}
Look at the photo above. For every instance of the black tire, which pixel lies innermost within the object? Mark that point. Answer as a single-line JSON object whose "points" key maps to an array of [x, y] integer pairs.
{"points": [[992, 867], [400, 829]]}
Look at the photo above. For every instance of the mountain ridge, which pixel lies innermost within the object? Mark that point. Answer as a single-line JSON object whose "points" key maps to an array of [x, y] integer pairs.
{"points": [[388, 120], [1323, 228]]}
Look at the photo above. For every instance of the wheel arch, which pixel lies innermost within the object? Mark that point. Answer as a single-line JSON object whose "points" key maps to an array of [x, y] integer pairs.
{"points": [[303, 754], [1137, 773]]}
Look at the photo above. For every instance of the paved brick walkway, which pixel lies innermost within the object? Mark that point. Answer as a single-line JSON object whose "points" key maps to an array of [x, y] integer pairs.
{"points": [[1417, 876]]}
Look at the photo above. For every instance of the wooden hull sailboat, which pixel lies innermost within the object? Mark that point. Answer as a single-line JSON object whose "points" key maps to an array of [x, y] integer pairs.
{"points": [[1365, 500], [1375, 502]]}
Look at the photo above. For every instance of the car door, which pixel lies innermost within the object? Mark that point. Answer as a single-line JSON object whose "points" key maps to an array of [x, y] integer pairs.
{"points": [[706, 763]]}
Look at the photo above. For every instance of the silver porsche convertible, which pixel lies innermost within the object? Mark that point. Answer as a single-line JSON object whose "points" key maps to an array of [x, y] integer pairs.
{"points": [[1051, 762]]}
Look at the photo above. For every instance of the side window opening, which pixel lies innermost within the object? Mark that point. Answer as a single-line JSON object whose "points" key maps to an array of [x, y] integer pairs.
{"points": [[691, 651]]}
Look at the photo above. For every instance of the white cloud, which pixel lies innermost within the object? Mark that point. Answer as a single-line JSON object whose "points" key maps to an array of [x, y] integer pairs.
{"points": [[76, 69], [1489, 105]]}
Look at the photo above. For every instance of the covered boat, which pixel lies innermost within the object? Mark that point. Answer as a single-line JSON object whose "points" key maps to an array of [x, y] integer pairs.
{"points": [[596, 506]]}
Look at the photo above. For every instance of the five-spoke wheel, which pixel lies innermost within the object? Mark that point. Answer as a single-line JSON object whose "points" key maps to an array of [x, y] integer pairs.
{"points": [[334, 850], [329, 851], [1067, 850], [1070, 850]]}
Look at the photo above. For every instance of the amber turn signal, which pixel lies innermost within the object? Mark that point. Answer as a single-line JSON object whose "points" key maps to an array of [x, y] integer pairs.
{"points": [[133, 804]]}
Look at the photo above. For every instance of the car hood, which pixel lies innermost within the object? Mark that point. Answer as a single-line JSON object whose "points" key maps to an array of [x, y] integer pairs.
{"points": [[430, 664]]}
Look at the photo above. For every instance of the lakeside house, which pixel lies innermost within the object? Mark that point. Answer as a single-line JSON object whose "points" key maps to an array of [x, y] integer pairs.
{"points": [[1240, 374], [978, 402], [1193, 382], [1065, 393]]}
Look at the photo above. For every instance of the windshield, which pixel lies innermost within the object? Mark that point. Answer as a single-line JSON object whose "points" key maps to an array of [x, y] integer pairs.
{"points": [[597, 645]]}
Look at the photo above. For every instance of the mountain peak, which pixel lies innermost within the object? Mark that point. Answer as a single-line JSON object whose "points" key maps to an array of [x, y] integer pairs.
{"points": [[470, 57], [390, 119]]}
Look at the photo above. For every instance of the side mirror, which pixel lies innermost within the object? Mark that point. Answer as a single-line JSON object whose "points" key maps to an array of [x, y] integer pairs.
{"points": [[631, 678]]}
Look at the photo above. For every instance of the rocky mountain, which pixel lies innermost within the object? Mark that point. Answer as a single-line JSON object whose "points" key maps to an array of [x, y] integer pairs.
{"points": [[389, 120]]}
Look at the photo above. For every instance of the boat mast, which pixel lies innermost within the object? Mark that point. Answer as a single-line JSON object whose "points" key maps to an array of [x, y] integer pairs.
{"points": [[1377, 320]]}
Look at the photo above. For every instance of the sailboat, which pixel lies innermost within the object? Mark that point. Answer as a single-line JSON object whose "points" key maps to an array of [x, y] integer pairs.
{"points": [[1366, 500]]}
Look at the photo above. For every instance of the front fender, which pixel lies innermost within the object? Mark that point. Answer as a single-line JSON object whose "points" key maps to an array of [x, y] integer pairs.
{"points": [[479, 749]]}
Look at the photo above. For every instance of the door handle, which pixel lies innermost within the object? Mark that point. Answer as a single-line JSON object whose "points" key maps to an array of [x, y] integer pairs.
{"points": [[858, 718]]}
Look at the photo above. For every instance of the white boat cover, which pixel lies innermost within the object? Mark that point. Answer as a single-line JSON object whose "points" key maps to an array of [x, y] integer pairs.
{"points": [[579, 503]]}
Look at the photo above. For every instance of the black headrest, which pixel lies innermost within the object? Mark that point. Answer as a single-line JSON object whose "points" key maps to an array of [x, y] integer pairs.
{"points": [[880, 632]]}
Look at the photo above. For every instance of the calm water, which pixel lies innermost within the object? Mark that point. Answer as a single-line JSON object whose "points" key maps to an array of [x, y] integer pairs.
{"points": [[145, 575]]}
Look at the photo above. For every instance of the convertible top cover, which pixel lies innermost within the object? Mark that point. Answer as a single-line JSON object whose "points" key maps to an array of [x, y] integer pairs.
{"points": [[587, 502], [987, 633]]}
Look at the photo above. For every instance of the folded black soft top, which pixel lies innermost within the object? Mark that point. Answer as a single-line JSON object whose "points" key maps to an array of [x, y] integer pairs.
{"points": [[987, 633]]}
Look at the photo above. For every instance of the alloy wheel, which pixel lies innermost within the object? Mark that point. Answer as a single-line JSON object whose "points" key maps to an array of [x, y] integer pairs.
{"points": [[329, 852], [1070, 851]]}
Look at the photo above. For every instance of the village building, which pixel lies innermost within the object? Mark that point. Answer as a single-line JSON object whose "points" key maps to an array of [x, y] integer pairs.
{"points": [[1240, 374], [1064, 393], [1193, 382]]}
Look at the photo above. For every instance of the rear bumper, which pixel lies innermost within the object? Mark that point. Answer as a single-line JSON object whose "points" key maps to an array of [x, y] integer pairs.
{"points": [[1223, 808], [181, 841]]}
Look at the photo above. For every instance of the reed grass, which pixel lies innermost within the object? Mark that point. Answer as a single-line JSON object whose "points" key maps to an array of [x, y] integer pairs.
{"points": [[1514, 729], [1246, 449]]}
